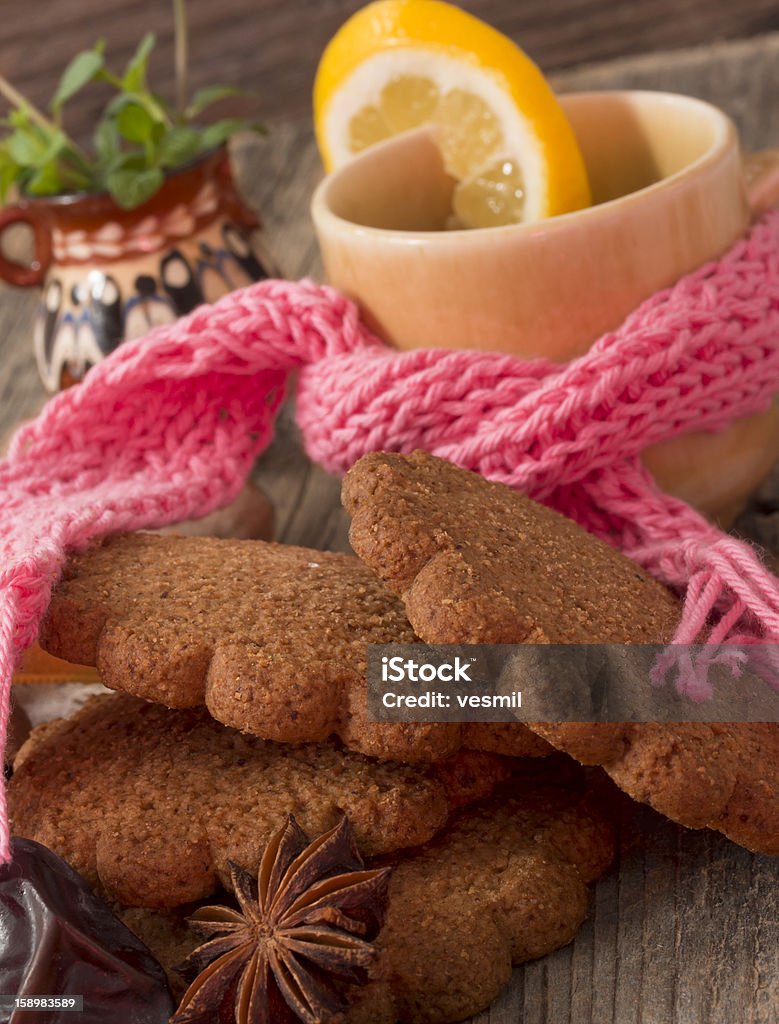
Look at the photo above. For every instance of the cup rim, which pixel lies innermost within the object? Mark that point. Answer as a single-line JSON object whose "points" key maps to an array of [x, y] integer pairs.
{"points": [[727, 136]]}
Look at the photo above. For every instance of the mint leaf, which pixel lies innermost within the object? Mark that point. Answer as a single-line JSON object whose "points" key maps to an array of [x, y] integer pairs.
{"points": [[106, 142], [137, 137], [133, 161], [19, 117], [178, 146], [220, 131], [81, 70], [131, 188], [23, 147], [56, 143], [164, 109], [211, 94], [9, 172], [134, 79], [141, 99], [136, 124], [32, 146], [45, 182]]}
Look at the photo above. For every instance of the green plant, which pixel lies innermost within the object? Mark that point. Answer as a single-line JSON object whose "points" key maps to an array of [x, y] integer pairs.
{"points": [[138, 138]]}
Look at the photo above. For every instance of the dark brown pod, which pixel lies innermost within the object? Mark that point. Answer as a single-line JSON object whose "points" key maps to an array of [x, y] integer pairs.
{"points": [[58, 939]]}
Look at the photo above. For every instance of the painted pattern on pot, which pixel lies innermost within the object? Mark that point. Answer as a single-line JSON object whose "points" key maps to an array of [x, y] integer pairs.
{"points": [[110, 274]]}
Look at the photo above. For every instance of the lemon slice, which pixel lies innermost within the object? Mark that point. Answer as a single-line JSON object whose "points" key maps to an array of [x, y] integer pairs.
{"points": [[398, 64]]}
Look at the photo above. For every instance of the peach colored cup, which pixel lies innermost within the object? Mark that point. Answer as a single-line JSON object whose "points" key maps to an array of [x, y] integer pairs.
{"points": [[670, 191]]}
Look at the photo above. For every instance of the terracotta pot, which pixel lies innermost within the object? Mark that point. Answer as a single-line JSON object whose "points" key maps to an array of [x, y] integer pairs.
{"points": [[110, 274]]}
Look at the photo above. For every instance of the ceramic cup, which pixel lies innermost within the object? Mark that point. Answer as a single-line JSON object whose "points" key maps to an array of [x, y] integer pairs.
{"points": [[671, 191]]}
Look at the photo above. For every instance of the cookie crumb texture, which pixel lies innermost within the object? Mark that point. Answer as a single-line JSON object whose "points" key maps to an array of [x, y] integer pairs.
{"points": [[272, 638], [149, 804], [723, 776], [476, 562], [504, 882], [263, 634]]}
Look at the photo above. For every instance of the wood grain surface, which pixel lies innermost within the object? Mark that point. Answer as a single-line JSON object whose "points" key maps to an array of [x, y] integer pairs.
{"points": [[684, 929], [273, 47]]}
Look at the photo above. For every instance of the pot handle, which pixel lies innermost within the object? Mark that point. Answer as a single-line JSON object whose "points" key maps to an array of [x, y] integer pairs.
{"points": [[20, 274], [761, 177]]}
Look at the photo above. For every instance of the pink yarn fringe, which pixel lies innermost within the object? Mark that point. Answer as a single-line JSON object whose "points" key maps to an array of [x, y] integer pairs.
{"points": [[168, 427]]}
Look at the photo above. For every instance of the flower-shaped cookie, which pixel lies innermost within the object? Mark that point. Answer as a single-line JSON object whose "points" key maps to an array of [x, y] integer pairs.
{"points": [[475, 562], [150, 804], [271, 638], [504, 882]]}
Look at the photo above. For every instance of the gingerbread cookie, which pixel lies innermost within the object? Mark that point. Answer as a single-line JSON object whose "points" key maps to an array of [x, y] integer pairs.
{"points": [[272, 638], [722, 776], [150, 804], [476, 562], [503, 883], [506, 882]]}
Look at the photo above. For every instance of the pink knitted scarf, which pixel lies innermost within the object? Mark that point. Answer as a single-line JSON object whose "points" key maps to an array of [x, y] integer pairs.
{"points": [[168, 427]]}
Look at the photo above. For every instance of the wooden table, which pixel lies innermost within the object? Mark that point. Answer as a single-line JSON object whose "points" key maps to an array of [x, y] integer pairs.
{"points": [[685, 927], [272, 48]]}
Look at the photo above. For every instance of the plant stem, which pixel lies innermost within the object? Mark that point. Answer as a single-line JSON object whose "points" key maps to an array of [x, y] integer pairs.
{"points": [[181, 55], [16, 99]]}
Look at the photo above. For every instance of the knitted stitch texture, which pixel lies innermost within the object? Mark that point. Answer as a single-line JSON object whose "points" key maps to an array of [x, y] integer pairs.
{"points": [[167, 429]]}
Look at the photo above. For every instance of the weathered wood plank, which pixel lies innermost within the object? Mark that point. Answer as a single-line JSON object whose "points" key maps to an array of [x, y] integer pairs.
{"points": [[742, 78], [20, 390], [273, 48], [681, 931]]}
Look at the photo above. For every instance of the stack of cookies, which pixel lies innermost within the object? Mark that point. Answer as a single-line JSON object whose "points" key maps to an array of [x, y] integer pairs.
{"points": [[241, 670]]}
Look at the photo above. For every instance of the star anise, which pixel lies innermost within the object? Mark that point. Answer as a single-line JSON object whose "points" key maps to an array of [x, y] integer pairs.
{"points": [[307, 924]]}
